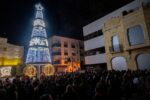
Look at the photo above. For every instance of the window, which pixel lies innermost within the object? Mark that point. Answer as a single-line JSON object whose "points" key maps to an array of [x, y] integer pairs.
{"points": [[56, 43], [57, 61], [72, 45], [95, 51], [143, 61], [115, 44], [135, 35], [93, 35], [56, 51], [65, 44], [73, 52], [119, 63], [65, 52]]}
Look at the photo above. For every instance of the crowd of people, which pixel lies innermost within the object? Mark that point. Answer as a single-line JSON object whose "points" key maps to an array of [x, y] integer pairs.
{"points": [[103, 85]]}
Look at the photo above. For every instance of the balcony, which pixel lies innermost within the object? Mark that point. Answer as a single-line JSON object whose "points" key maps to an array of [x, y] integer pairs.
{"points": [[57, 62], [56, 45], [66, 45], [65, 53], [56, 53]]}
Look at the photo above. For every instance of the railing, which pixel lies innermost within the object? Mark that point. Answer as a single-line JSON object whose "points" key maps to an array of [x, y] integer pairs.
{"points": [[56, 53], [56, 45], [65, 53], [56, 62]]}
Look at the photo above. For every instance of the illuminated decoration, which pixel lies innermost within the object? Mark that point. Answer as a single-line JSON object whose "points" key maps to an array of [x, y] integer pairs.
{"points": [[5, 71], [38, 51], [48, 70], [39, 22], [30, 71], [38, 41], [39, 31]]}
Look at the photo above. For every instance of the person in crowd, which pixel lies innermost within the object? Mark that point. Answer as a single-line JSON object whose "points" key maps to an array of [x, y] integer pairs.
{"points": [[90, 85], [46, 97]]}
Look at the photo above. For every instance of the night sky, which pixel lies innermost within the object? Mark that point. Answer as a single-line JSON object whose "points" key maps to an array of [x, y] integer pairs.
{"points": [[62, 17]]}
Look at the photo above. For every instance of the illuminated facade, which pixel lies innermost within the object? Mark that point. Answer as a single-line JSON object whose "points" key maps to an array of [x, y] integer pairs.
{"points": [[67, 53], [38, 51], [125, 36], [10, 56]]}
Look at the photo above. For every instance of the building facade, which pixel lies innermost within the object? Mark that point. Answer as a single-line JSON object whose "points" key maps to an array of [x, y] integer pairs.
{"points": [[127, 40], [125, 37], [67, 53], [10, 56]]}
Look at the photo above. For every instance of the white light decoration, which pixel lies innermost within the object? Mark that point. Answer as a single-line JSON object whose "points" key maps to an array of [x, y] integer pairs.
{"points": [[39, 31], [39, 22], [38, 51], [38, 41], [39, 7], [5, 71], [39, 14]]}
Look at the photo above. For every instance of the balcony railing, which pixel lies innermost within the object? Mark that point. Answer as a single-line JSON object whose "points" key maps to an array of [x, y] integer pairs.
{"points": [[56, 53], [65, 53], [56, 62], [56, 45]]}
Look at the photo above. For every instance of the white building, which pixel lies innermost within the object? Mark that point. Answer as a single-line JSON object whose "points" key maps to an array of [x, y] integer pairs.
{"points": [[66, 53]]}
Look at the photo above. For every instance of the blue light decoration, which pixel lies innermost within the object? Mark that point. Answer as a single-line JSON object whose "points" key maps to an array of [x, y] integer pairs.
{"points": [[38, 51]]}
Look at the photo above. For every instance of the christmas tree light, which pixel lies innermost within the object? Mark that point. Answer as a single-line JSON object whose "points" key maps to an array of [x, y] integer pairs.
{"points": [[38, 51]]}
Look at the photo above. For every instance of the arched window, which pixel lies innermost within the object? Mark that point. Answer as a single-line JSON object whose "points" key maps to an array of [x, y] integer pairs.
{"points": [[143, 61], [135, 35], [119, 63], [115, 43]]}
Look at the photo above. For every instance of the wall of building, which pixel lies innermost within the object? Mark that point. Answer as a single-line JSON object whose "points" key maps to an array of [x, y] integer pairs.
{"points": [[118, 26], [98, 24], [10, 55], [70, 56]]}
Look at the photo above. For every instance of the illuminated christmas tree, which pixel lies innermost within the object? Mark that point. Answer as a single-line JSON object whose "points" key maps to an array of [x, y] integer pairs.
{"points": [[38, 52]]}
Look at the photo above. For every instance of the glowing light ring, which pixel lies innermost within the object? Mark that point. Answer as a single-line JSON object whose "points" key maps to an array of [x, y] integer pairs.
{"points": [[30, 71], [48, 70], [5, 71]]}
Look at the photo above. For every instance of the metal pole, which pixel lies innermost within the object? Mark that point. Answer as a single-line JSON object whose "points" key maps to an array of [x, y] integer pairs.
{"points": [[38, 71]]}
